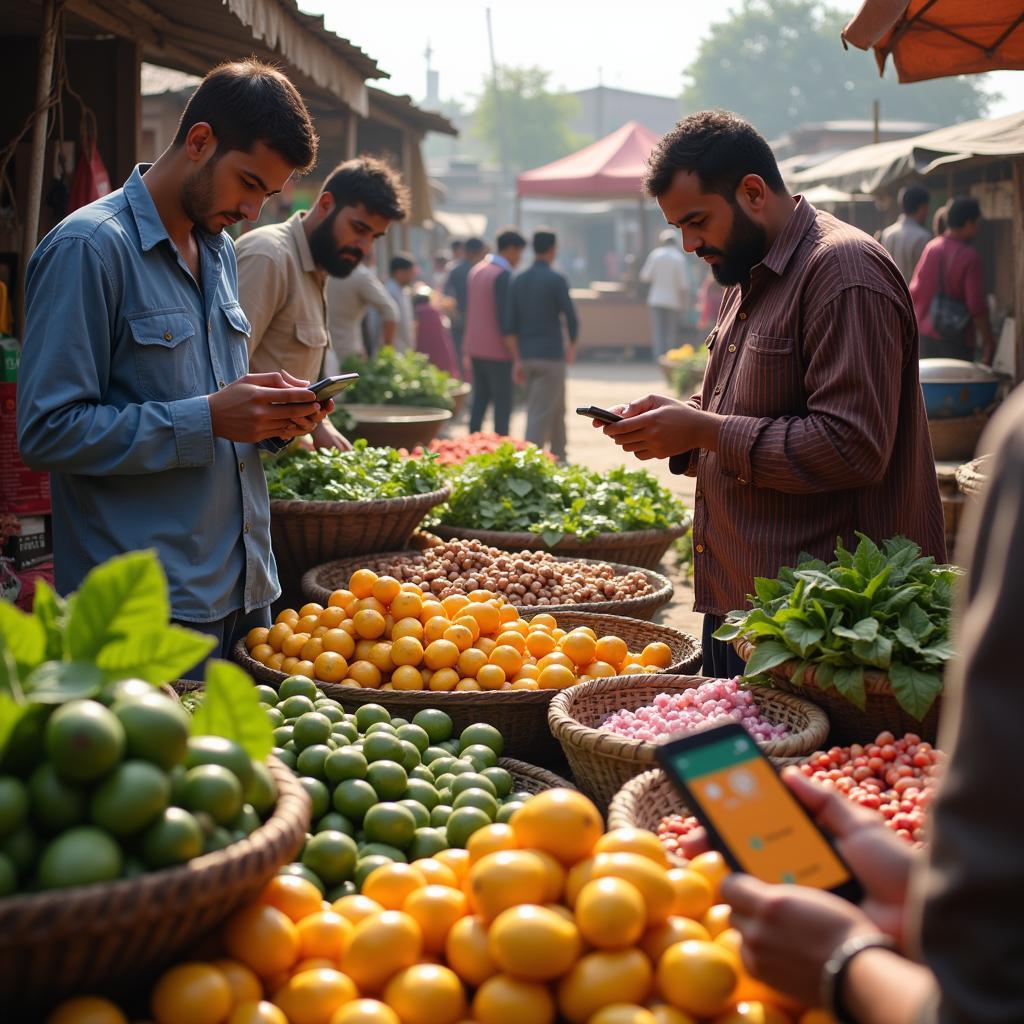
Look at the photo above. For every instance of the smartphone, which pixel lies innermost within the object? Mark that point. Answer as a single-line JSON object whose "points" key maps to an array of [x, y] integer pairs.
{"points": [[749, 813], [595, 412], [331, 386]]}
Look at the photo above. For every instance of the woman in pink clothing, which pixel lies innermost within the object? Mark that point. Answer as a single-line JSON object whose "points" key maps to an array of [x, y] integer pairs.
{"points": [[433, 338]]}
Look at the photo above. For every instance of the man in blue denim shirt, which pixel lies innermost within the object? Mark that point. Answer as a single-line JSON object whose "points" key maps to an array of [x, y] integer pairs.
{"points": [[134, 389]]}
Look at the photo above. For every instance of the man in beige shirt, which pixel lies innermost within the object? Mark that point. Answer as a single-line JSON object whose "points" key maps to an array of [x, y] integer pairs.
{"points": [[283, 268]]}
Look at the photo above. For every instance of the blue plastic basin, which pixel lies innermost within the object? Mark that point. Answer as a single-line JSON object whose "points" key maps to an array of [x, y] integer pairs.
{"points": [[944, 400]]}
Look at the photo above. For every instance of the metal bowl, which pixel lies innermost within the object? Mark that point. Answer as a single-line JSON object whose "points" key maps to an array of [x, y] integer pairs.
{"points": [[955, 388]]}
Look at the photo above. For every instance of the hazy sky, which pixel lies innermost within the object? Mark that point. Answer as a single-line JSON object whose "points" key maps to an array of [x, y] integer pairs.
{"points": [[643, 46]]}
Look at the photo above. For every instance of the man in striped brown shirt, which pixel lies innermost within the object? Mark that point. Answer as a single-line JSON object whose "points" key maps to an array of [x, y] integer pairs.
{"points": [[810, 424]]}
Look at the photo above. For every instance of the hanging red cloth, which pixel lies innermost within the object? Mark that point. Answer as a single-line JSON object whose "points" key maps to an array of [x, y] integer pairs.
{"points": [[91, 180]]}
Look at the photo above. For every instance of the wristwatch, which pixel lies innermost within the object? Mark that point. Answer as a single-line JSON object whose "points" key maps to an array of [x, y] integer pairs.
{"points": [[838, 964]]}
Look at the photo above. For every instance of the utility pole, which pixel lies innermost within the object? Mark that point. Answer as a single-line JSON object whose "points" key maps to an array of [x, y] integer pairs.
{"points": [[876, 113], [502, 129]]}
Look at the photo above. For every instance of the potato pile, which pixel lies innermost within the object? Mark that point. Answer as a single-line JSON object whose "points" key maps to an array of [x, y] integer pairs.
{"points": [[523, 578]]}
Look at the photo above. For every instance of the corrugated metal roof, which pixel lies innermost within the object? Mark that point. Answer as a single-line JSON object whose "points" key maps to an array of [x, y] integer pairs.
{"points": [[403, 108]]}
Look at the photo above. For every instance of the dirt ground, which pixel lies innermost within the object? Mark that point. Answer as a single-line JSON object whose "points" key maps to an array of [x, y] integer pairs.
{"points": [[605, 383]]}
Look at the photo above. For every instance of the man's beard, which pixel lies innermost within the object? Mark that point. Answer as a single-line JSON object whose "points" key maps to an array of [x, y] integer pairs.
{"points": [[197, 201], [327, 256], [745, 247]]}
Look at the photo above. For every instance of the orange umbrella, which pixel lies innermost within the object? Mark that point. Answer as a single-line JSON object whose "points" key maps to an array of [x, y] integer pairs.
{"points": [[935, 38]]}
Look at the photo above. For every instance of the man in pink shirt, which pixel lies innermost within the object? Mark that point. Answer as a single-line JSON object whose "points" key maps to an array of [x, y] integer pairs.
{"points": [[950, 266]]}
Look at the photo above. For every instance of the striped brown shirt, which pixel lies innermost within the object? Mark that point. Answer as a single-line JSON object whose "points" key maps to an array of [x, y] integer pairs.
{"points": [[815, 364]]}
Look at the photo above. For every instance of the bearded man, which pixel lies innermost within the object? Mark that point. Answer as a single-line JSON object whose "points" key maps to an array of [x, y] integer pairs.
{"points": [[810, 424], [283, 269]]}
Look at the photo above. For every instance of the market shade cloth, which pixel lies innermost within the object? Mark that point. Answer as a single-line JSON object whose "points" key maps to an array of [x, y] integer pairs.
{"points": [[870, 168], [612, 166], [934, 38]]}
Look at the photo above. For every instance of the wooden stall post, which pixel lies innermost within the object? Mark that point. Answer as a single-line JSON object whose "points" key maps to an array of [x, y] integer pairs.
{"points": [[1018, 269]]}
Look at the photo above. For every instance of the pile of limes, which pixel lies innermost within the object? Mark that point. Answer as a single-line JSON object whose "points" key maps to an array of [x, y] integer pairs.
{"points": [[384, 789], [387, 635], [538, 919], [95, 790]]}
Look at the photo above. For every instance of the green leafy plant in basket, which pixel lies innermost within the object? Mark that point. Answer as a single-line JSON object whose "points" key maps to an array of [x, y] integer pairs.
{"points": [[884, 608], [396, 378]]}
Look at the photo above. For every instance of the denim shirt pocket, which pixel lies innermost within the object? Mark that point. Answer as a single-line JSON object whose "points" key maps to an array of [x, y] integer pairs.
{"points": [[165, 356], [239, 331]]}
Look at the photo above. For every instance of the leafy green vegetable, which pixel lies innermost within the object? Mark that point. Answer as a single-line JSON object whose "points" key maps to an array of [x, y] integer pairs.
{"points": [[359, 475], [231, 708], [397, 378], [878, 608], [524, 491]]}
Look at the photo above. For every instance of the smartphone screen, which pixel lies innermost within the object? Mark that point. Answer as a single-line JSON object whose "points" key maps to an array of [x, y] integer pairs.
{"points": [[330, 386], [597, 413], [750, 814]]}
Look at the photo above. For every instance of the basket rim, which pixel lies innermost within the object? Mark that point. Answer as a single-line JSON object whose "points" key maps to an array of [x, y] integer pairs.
{"points": [[90, 901], [367, 506], [622, 806], [533, 771], [570, 731], [625, 538]]}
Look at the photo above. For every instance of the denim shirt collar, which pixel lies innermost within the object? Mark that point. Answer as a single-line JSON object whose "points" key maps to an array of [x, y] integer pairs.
{"points": [[151, 228], [500, 261]]}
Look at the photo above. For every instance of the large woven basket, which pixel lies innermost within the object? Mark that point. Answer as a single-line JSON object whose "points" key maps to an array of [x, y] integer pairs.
{"points": [[972, 476], [308, 533], [644, 801], [530, 779], [321, 581], [848, 723], [602, 762], [71, 940], [644, 548], [957, 439], [521, 715]]}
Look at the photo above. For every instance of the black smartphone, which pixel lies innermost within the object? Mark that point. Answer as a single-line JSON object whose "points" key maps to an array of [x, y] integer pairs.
{"points": [[595, 412], [330, 386], [749, 813]]}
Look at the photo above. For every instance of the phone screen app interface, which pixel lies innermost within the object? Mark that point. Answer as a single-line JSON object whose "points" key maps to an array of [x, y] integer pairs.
{"points": [[755, 815]]}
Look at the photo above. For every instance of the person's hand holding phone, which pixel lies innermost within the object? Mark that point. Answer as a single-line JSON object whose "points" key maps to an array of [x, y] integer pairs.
{"points": [[264, 405], [658, 427]]}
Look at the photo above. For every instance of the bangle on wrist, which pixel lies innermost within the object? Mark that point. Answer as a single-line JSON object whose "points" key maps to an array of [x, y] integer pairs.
{"points": [[835, 969]]}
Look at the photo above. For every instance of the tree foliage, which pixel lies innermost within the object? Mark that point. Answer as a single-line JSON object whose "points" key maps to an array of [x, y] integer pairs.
{"points": [[780, 62], [535, 119]]}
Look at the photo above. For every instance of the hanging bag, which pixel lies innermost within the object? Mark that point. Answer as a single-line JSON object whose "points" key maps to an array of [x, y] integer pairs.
{"points": [[91, 180], [950, 317]]}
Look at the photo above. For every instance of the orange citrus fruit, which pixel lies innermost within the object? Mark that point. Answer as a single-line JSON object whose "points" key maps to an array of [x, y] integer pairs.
{"points": [[341, 599], [435, 908], [312, 997], [324, 935], [361, 582], [716, 920], [356, 907], [245, 985], [533, 943], [436, 873], [443, 679], [540, 643], [406, 604], [656, 940], [580, 647], [633, 840], [561, 822], [380, 947], [490, 839], [466, 951], [504, 879], [501, 1000], [332, 617], [87, 1010], [330, 667], [191, 993], [440, 654], [694, 894], [338, 642], [556, 677], [457, 860], [293, 895], [470, 662], [664, 1013], [648, 877], [610, 913], [365, 1011], [426, 994], [461, 636], [698, 977], [257, 1011], [264, 938], [602, 978], [623, 1013], [491, 677], [369, 624], [390, 884], [365, 673], [712, 866], [507, 658], [753, 1011], [657, 654], [453, 604], [386, 589], [408, 626], [406, 677]]}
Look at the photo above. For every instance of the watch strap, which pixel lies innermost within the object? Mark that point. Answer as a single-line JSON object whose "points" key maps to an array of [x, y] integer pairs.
{"points": [[838, 963]]}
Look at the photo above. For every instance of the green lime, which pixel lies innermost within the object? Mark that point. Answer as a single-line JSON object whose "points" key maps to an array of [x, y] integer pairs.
{"points": [[431, 754], [345, 730], [398, 722], [344, 763], [13, 804], [353, 798], [295, 706], [124, 689], [388, 779], [481, 732], [505, 811], [174, 838], [286, 757], [267, 695], [461, 765], [422, 792], [8, 876], [218, 838], [390, 823], [367, 865], [483, 757], [500, 779], [332, 856], [522, 795], [156, 728], [473, 780], [81, 856], [444, 796], [393, 853], [370, 714], [26, 744], [84, 740], [283, 734], [246, 821], [444, 780], [335, 822], [217, 750], [418, 811], [322, 703], [22, 847], [262, 791], [381, 727], [415, 735], [275, 718], [439, 815], [297, 686], [338, 891], [452, 746], [435, 723], [301, 871], [311, 761], [410, 756], [332, 713], [214, 789], [477, 798], [442, 765], [292, 749], [426, 843], [134, 795], [311, 728], [381, 746], [462, 823], [56, 805], [423, 773], [319, 795]]}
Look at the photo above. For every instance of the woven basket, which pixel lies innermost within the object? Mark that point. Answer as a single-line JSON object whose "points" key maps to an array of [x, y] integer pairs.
{"points": [[957, 439], [531, 779], [603, 762], [972, 476], [849, 724], [308, 533], [643, 548], [460, 395], [319, 583], [70, 940], [643, 802], [521, 715]]}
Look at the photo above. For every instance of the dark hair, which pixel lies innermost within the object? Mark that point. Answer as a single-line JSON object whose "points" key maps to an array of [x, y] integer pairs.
{"points": [[247, 101], [475, 245], [421, 298], [511, 239], [719, 147], [402, 261], [913, 197], [961, 211], [456, 244], [372, 182], [544, 240]]}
